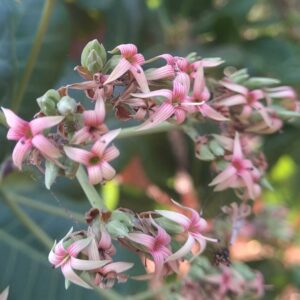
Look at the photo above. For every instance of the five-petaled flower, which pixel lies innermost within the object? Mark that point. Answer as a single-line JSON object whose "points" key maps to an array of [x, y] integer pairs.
{"points": [[64, 255], [96, 160], [130, 61], [239, 173], [29, 135]]}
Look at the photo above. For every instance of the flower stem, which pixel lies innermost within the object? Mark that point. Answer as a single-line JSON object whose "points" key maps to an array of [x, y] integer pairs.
{"points": [[133, 131], [34, 228], [89, 190], [34, 52]]}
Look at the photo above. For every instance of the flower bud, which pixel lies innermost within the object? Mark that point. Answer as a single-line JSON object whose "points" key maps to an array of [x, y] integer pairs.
{"points": [[259, 82], [203, 152], [67, 106], [93, 56], [170, 226], [117, 229], [216, 148], [48, 101], [51, 172]]}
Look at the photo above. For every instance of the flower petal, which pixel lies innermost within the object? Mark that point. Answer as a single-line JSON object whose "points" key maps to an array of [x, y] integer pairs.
{"points": [[233, 100], [108, 172], [158, 93], [72, 276], [121, 68], [176, 217], [111, 153], [117, 267], [20, 150], [143, 239], [207, 111], [165, 72], [237, 148], [99, 147], [45, 146], [79, 155], [163, 112], [95, 174], [140, 77], [186, 248], [75, 248], [199, 83], [235, 87], [39, 124], [86, 265], [227, 173], [81, 136], [13, 120]]}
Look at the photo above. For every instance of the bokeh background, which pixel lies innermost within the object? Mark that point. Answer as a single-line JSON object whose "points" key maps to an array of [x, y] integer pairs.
{"points": [[261, 35]]}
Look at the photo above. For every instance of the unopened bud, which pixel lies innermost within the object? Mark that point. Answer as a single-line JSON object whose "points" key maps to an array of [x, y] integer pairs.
{"points": [[48, 101], [259, 82], [117, 229], [216, 148], [93, 56], [67, 106], [203, 153], [51, 172]]}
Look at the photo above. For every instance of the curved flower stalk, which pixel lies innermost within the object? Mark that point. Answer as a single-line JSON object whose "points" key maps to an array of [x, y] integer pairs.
{"points": [[29, 135], [239, 173], [97, 159], [193, 226], [130, 61]]}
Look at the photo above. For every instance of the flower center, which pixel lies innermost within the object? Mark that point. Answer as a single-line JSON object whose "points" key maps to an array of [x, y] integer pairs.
{"points": [[94, 160], [238, 164]]}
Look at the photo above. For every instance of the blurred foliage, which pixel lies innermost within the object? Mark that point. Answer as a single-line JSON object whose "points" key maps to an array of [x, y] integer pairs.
{"points": [[262, 35]]}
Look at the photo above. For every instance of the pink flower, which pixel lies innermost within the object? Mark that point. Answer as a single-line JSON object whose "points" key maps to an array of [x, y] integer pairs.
{"points": [[96, 160], [201, 95], [193, 226], [156, 246], [64, 255], [249, 100], [93, 124], [29, 135], [239, 173], [174, 103], [130, 61]]}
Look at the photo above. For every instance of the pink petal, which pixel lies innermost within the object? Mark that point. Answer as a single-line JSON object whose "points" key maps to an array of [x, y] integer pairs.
{"points": [[158, 261], [165, 72], [95, 174], [199, 83], [78, 155], [81, 136], [235, 87], [208, 111], [127, 50], [233, 100], [72, 276], [227, 173], [202, 245], [164, 112], [103, 142], [111, 153], [184, 79], [211, 62], [118, 267], [263, 112], [121, 68], [45, 146], [75, 248], [95, 117], [282, 92], [108, 172], [140, 77], [20, 150], [175, 217], [180, 115], [158, 93], [14, 134], [86, 265], [247, 178], [237, 148], [39, 124], [93, 251], [179, 91], [14, 121], [256, 95], [186, 248], [143, 239]]}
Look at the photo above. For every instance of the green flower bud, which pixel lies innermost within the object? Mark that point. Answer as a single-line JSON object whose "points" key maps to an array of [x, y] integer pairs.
{"points": [[93, 56], [67, 106], [204, 153], [48, 101], [170, 226], [216, 148], [259, 82], [51, 172], [117, 229], [123, 217]]}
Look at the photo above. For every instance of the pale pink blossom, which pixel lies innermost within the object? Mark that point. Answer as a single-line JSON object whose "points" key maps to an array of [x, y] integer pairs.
{"points": [[130, 61], [157, 245], [173, 105], [30, 135], [239, 173], [193, 226], [249, 99], [97, 159], [93, 124], [201, 95], [64, 255]]}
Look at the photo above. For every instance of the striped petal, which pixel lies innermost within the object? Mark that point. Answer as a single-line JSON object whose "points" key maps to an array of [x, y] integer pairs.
{"points": [[207, 111], [185, 249], [117, 267], [72, 276], [176, 217], [199, 83], [14, 121], [81, 136], [143, 239], [227, 173], [180, 115], [86, 265], [165, 72], [140, 77], [164, 112], [235, 87], [13, 134], [99, 147], [78, 155], [21, 149], [45, 146], [95, 174], [158, 93], [248, 180], [39, 124], [121, 68], [233, 100], [75, 248], [111, 153], [108, 172]]}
